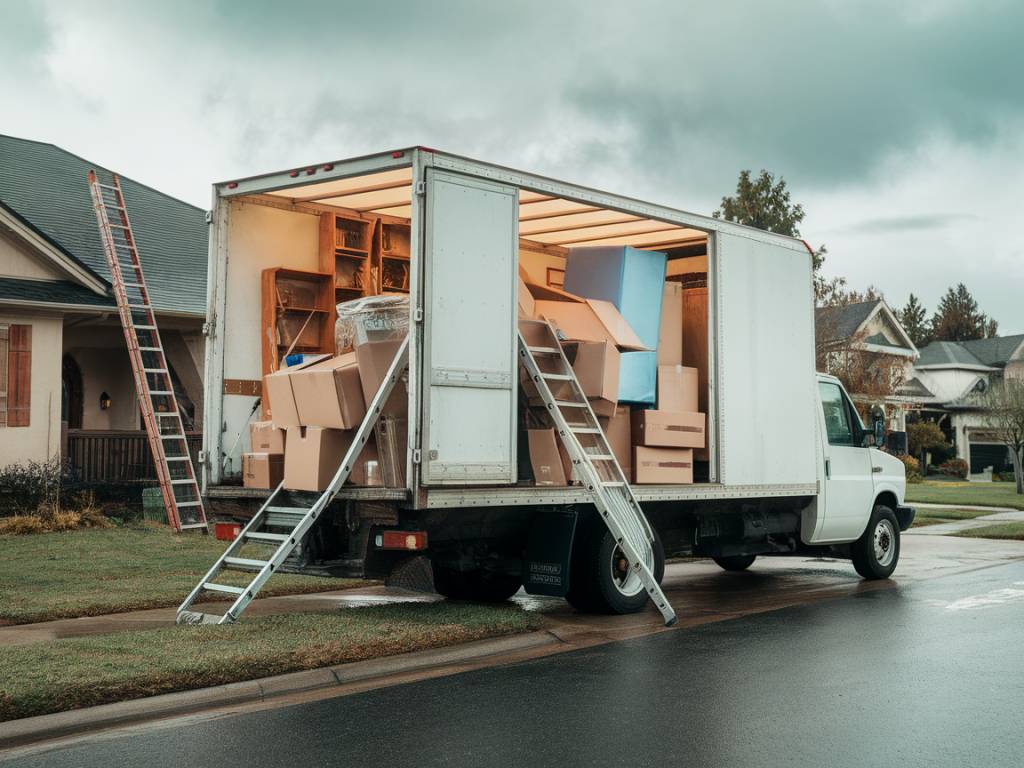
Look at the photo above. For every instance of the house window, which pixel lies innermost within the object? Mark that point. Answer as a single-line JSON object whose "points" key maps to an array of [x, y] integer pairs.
{"points": [[15, 375]]}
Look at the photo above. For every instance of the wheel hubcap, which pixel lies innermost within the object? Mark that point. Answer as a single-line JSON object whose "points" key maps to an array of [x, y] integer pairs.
{"points": [[885, 543], [624, 577]]}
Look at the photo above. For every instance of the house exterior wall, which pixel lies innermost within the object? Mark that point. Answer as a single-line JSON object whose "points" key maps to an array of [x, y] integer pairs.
{"points": [[40, 440], [102, 357], [16, 261], [948, 384]]}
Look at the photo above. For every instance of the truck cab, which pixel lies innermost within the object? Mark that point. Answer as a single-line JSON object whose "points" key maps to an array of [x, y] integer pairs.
{"points": [[861, 500]]}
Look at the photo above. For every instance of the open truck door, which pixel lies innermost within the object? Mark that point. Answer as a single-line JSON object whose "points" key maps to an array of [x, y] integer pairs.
{"points": [[470, 363]]}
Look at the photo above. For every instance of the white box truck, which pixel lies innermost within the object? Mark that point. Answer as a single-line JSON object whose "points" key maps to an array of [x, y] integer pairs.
{"points": [[790, 468]]}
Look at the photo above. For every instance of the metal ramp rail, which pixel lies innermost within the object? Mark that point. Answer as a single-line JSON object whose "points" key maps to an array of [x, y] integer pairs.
{"points": [[593, 459], [283, 525]]}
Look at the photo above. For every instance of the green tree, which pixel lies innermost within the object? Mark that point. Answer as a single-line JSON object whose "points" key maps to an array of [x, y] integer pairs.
{"points": [[958, 318], [914, 320], [764, 202], [1005, 417], [924, 437]]}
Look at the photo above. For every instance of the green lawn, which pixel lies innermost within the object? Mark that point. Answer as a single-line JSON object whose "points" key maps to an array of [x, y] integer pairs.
{"points": [[930, 516], [90, 572], [85, 671], [997, 531], [981, 494]]}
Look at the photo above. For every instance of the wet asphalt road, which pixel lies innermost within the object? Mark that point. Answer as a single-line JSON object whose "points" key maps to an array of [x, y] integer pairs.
{"points": [[929, 674]]}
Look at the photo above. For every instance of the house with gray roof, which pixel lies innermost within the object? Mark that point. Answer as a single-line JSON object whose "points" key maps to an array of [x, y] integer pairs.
{"points": [[864, 344], [66, 385], [954, 376]]}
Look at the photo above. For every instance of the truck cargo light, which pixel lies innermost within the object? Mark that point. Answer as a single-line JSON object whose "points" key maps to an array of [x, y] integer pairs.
{"points": [[409, 540]]}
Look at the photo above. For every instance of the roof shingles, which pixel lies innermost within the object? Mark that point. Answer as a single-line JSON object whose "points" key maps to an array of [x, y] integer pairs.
{"points": [[46, 187]]}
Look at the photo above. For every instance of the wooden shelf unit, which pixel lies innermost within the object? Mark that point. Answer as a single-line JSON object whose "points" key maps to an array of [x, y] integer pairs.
{"points": [[348, 242], [295, 306], [394, 257]]}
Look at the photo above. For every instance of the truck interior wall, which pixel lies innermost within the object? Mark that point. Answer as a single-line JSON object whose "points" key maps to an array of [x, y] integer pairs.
{"points": [[259, 237]]}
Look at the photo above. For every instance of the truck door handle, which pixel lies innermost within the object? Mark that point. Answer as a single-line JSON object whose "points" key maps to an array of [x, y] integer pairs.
{"points": [[828, 469], [876, 470]]}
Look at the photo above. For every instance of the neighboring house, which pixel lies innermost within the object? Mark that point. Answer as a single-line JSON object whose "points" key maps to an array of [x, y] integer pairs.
{"points": [[867, 348], [66, 384], [951, 377]]}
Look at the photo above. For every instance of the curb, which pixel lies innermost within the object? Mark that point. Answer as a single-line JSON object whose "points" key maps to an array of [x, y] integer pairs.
{"points": [[43, 727]]}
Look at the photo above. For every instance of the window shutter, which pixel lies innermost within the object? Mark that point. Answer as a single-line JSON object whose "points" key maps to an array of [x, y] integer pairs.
{"points": [[19, 375], [3, 375]]}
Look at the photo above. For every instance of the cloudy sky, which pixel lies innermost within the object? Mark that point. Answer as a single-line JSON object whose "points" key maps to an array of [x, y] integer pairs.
{"points": [[899, 126]]}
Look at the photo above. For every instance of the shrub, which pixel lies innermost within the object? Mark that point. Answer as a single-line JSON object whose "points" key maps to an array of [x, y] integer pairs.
{"points": [[30, 485], [924, 436], [912, 467], [21, 525], [955, 468]]}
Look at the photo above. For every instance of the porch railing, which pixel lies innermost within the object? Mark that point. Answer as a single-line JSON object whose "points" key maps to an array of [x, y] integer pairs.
{"points": [[116, 456]]}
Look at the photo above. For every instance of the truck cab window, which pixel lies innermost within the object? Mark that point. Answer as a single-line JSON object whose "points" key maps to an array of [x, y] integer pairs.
{"points": [[837, 414]]}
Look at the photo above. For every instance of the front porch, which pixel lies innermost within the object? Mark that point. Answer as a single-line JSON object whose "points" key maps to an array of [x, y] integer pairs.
{"points": [[115, 456]]}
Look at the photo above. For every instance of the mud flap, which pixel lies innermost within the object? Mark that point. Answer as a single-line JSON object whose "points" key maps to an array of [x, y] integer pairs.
{"points": [[548, 552]]}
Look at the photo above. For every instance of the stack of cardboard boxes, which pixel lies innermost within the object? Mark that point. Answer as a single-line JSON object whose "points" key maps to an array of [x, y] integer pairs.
{"points": [[624, 329], [315, 407]]}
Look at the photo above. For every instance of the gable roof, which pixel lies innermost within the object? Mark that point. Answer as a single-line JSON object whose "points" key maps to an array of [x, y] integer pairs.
{"points": [[983, 354], [996, 351], [20, 291], [947, 354], [45, 187], [842, 322]]}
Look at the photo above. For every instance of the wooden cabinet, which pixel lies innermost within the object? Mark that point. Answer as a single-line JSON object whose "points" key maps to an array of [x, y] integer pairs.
{"points": [[393, 257], [347, 251]]}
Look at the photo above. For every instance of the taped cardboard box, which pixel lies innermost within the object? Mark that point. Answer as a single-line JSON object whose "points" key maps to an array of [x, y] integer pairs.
{"points": [[329, 394], [314, 455], [374, 359], [262, 470], [670, 334], [677, 388], [617, 432], [544, 457], [662, 466], [596, 365], [266, 437], [278, 385], [667, 429]]}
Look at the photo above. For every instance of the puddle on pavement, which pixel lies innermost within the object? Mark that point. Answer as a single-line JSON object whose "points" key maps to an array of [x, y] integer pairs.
{"points": [[993, 599]]}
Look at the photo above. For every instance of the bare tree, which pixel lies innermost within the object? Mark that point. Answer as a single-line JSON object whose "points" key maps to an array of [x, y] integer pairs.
{"points": [[1005, 417]]}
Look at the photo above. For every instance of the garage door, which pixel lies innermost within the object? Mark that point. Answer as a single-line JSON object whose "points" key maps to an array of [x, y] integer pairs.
{"points": [[990, 455]]}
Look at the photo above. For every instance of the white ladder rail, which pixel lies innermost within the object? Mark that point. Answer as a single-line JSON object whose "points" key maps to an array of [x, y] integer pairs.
{"points": [[616, 505]]}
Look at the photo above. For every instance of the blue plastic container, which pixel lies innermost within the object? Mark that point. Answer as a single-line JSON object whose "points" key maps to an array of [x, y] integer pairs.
{"points": [[638, 377]]}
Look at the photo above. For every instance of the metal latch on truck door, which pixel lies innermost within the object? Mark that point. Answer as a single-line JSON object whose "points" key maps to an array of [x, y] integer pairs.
{"points": [[421, 187], [417, 315]]}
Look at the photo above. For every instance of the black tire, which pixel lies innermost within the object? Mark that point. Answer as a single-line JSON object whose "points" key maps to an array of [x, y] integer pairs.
{"points": [[477, 586], [593, 587], [878, 562], [735, 562]]}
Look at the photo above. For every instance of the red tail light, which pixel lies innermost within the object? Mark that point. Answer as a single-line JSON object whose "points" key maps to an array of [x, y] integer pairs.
{"points": [[411, 540]]}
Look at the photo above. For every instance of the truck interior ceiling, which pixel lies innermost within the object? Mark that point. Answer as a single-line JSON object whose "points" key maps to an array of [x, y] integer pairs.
{"points": [[354, 234]]}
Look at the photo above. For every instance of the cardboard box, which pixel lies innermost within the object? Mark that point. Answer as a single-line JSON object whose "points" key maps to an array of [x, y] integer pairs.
{"points": [[278, 387], [667, 466], [266, 437], [677, 389], [667, 429], [638, 374], [526, 301], [262, 470], [374, 358], [313, 457], [329, 394], [545, 458], [368, 471], [596, 321], [617, 432], [670, 333], [535, 332], [596, 365], [603, 408]]}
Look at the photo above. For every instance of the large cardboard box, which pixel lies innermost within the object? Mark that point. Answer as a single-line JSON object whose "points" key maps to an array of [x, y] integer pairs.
{"points": [[266, 437], [677, 388], [526, 301], [667, 429], [278, 385], [262, 470], [668, 466], [329, 394], [590, 321], [617, 432], [596, 365], [374, 358], [314, 455], [638, 374], [670, 333], [545, 458]]}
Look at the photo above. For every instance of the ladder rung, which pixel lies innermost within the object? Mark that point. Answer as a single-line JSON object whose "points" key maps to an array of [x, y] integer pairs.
{"points": [[187, 503], [177, 458], [134, 285], [569, 404], [155, 370], [160, 392], [600, 456], [613, 484], [172, 437], [140, 306], [166, 414], [119, 226], [244, 562], [183, 482], [289, 510], [544, 350], [150, 349], [585, 430], [557, 376], [209, 585], [144, 327], [278, 537], [193, 525]]}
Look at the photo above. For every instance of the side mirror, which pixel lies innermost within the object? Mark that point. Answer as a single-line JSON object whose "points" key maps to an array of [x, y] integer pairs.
{"points": [[878, 425]]}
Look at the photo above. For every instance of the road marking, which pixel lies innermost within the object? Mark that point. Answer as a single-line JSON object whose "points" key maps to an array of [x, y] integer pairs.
{"points": [[991, 599]]}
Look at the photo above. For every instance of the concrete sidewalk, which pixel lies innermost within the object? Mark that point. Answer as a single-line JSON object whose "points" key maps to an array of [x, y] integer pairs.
{"points": [[956, 526]]}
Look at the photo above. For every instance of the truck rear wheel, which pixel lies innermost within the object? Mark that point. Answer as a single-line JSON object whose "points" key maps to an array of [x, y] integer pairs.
{"points": [[600, 579], [735, 562], [478, 586], [877, 551]]}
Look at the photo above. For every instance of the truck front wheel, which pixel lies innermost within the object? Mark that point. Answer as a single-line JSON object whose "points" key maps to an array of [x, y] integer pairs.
{"points": [[601, 580], [735, 562], [478, 586], [877, 551]]}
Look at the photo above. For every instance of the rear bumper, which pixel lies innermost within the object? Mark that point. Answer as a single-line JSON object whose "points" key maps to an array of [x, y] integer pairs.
{"points": [[905, 516]]}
